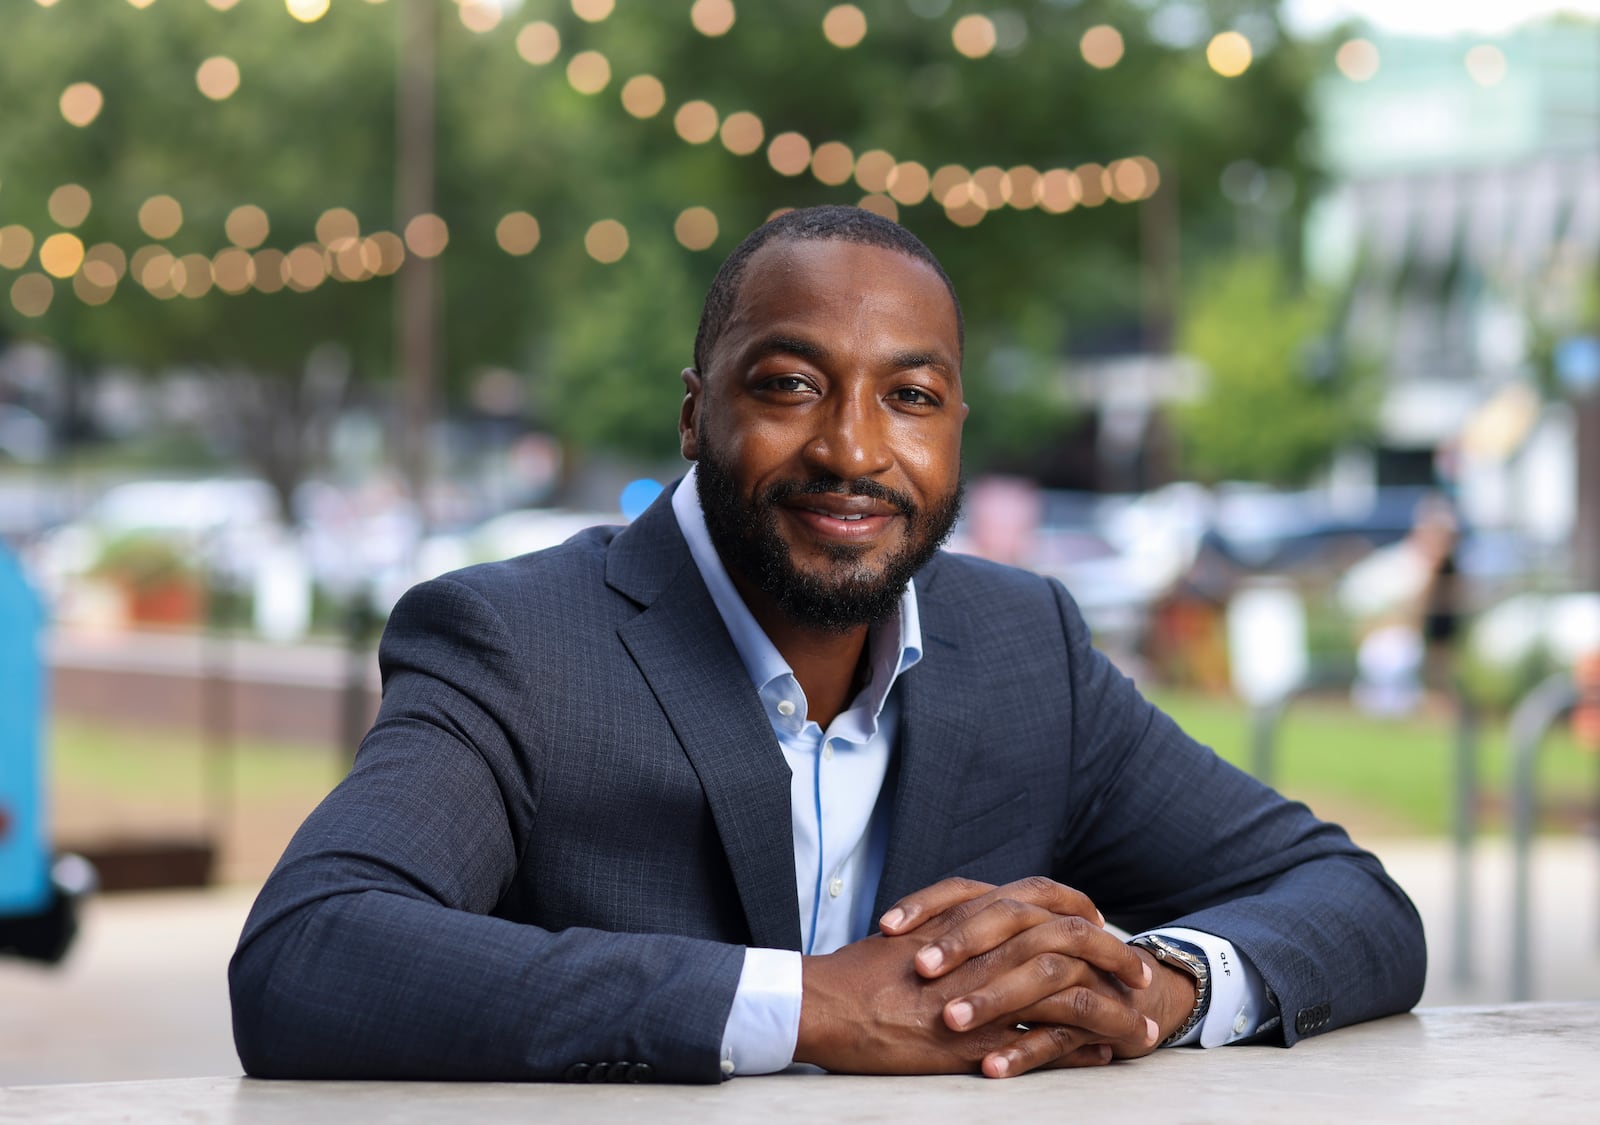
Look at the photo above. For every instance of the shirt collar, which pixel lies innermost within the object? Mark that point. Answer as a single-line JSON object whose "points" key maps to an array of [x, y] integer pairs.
{"points": [[893, 646]]}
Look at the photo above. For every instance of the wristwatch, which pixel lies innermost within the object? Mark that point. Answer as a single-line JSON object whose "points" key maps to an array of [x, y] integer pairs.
{"points": [[1169, 952]]}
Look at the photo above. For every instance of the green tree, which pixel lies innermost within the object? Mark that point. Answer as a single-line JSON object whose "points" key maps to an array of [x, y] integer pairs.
{"points": [[311, 127], [1274, 406]]}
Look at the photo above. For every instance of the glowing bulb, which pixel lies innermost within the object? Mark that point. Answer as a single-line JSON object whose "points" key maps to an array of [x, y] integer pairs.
{"points": [[974, 36], [218, 77], [606, 241], [844, 26], [307, 11], [712, 17], [1229, 54], [1101, 46], [695, 228]]}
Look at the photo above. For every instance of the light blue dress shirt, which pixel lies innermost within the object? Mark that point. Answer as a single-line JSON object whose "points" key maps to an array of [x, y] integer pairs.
{"points": [[841, 832]]}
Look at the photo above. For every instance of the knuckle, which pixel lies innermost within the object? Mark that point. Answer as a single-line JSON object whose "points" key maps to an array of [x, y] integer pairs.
{"points": [[1036, 887], [1081, 1003], [1051, 967]]}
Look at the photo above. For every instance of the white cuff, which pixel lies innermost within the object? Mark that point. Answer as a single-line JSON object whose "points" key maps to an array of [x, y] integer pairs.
{"points": [[1239, 1003], [764, 1023]]}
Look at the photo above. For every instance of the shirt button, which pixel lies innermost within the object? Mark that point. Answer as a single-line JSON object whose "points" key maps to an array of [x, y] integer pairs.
{"points": [[827, 752], [1240, 1024], [835, 887], [727, 1066], [785, 707]]}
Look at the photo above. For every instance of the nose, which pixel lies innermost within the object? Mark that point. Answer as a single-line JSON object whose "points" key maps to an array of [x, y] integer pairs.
{"points": [[851, 438]]}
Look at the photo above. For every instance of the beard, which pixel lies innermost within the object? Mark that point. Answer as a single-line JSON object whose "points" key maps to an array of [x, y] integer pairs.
{"points": [[848, 593]]}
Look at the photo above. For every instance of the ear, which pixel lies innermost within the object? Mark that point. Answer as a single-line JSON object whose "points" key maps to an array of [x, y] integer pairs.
{"points": [[688, 415]]}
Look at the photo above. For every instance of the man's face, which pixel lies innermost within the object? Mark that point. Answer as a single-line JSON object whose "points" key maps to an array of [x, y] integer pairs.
{"points": [[827, 428]]}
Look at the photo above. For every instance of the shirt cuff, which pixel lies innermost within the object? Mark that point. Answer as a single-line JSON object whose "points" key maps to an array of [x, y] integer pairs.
{"points": [[764, 1023], [1239, 1002]]}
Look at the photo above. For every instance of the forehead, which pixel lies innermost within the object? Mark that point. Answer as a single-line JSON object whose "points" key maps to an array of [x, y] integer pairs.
{"points": [[844, 294]]}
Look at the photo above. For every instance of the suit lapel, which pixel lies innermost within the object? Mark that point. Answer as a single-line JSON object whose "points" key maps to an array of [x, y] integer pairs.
{"points": [[683, 650], [938, 733]]}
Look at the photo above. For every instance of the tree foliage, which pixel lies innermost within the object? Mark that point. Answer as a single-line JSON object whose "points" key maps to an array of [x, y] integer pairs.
{"points": [[1275, 406], [312, 126]]}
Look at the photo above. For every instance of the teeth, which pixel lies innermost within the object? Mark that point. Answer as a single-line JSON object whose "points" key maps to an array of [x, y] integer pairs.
{"points": [[855, 517]]}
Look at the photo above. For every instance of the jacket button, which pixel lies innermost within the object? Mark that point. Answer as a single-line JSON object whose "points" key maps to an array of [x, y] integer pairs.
{"points": [[599, 1071], [621, 1072], [577, 1072], [641, 1072]]}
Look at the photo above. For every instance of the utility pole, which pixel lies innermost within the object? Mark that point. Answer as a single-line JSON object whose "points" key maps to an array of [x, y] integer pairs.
{"points": [[416, 304]]}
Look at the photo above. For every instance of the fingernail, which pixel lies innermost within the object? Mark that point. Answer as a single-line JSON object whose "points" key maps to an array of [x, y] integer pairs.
{"points": [[1149, 974], [1150, 1030], [1002, 1066], [930, 958], [961, 1013], [892, 920], [1105, 1053], [1101, 918]]}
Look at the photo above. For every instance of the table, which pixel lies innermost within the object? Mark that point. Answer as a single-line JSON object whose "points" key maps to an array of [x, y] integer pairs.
{"points": [[1522, 1062]]}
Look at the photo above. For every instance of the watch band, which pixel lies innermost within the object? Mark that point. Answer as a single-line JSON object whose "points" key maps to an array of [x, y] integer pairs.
{"points": [[1171, 953]]}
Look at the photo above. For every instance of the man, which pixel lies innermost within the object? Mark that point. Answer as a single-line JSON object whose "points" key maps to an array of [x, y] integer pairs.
{"points": [[633, 806]]}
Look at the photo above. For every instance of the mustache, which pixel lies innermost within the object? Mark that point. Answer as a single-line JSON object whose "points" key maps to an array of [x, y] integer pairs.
{"points": [[861, 486]]}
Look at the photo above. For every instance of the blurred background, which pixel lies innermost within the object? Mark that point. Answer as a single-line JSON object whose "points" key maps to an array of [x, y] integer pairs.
{"points": [[1283, 353]]}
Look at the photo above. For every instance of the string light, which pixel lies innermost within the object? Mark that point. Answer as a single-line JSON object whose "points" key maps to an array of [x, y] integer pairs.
{"points": [[427, 235], [606, 241], [880, 205], [974, 36], [908, 183], [832, 163], [1229, 54], [517, 233], [695, 228], [337, 224], [1102, 46], [306, 11], [844, 26], [31, 294], [872, 170], [588, 72], [696, 122], [81, 103], [1091, 184], [789, 154], [1357, 59], [268, 267], [61, 254], [69, 205], [643, 96], [593, 11], [233, 270], [742, 133], [160, 216], [538, 43], [712, 18], [218, 77], [247, 226], [479, 16]]}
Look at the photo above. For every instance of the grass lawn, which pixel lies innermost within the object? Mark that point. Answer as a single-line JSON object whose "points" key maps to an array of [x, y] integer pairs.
{"points": [[1399, 774], [1379, 777]]}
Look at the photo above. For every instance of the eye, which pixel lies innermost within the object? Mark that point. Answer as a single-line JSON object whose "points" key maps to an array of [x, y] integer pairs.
{"points": [[787, 384], [914, 396]]}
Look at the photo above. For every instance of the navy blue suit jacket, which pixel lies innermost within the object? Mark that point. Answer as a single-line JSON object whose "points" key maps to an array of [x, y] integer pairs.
{"points": [[572, 814]]}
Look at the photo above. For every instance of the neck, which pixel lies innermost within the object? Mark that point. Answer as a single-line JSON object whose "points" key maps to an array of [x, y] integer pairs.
{"points": [[827, 664]]}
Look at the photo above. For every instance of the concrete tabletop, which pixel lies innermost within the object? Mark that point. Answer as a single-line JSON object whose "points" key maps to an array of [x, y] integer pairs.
{"points": [[1532, 1062]]}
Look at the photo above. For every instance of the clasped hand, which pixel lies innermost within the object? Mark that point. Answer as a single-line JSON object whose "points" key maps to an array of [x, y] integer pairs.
{"points": [[969, 976]]}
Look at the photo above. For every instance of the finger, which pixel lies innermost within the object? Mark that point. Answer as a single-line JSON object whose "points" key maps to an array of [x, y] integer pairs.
{"points": [[929, 902], [1045, 1046], [1038, 891], [1053, 989], [1016, 931]]}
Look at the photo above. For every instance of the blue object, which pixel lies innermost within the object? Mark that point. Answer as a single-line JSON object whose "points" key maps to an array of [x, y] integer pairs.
{"points": [[638, 495], [24, 858], [1578, 363]]}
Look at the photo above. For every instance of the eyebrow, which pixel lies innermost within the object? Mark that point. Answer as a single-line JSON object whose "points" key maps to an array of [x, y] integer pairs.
{"points": [[813, 352], [789, 345]]}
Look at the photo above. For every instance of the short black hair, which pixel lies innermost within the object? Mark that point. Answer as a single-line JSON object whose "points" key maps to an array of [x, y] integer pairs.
{"points": [[809, 224]]}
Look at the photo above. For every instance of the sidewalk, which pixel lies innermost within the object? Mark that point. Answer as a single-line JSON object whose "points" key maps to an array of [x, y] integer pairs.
{"points": [[144, 995]]}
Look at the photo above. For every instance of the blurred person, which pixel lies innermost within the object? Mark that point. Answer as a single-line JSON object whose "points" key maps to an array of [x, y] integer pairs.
{"points": [[1404, 599], [768, 778]]}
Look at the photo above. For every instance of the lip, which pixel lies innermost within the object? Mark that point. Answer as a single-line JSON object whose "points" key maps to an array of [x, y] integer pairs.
{"points": [[841, 518]]}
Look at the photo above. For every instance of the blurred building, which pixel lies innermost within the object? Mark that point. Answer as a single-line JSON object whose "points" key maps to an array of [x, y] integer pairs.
{"points": [[1462, 223]]}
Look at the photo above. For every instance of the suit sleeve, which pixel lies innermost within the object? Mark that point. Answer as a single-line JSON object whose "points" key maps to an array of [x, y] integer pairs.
{"points": [[373, 952], [1171, 835]]}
